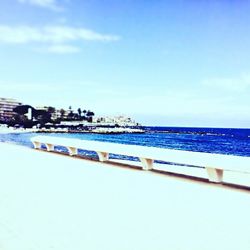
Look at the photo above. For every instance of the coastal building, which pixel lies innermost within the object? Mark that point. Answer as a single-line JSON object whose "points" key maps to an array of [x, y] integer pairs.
{"points": [[6, 108], [74, 123], [55, 113], [120, 120]]}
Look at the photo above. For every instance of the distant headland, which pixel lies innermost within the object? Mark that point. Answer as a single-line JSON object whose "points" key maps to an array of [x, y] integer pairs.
{"points": [[18, 116]]}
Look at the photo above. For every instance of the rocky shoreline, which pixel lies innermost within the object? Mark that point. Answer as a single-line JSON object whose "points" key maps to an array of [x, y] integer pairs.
{"points": [[96, 130]]}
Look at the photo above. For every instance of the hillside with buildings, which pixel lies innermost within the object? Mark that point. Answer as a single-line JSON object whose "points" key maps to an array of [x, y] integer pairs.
{"points": [[14, 113]]}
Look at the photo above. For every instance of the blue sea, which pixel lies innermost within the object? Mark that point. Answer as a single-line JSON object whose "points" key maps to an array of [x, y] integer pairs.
{"points": [[211, 140]]}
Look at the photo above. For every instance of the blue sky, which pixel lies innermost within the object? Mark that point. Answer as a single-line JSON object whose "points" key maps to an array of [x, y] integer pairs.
{"points": [[173, 63]]}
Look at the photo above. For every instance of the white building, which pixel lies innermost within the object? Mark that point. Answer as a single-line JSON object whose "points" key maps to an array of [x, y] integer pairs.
{"points": [[121, 120], [6, 108]]}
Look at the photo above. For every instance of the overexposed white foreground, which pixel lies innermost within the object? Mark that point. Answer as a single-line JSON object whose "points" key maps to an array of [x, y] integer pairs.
{"points": [[51, 201]]}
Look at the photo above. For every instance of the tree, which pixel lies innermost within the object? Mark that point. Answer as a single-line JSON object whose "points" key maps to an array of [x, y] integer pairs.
{"points": [[43, 116], [79, 113], [62, 112], [90, 115], [21, 120], [84, 114], [51, 110], [70, 115], [23, 109]]}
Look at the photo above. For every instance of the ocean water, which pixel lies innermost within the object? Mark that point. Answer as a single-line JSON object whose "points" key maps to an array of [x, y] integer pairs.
{"points": [[210, 140]]}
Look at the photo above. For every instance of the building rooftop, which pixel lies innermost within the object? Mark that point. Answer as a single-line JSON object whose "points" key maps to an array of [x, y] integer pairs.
{"points": [[9, 100]]}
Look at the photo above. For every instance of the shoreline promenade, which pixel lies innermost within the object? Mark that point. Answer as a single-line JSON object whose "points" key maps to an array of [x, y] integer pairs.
{"points": [[52, 201]]}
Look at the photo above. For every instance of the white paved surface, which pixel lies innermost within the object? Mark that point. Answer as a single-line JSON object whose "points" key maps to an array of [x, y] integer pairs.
{"points": [[49, 201]]}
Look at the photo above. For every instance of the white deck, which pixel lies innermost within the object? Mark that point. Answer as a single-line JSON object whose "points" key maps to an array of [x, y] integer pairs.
{"points": [[50, 201]]}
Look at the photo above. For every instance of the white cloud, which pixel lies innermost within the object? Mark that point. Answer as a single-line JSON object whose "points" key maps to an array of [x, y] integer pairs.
{"points": [[50, 34], [55, 37], [21, 34], [49, 4], [237, 84], [63, 49], [64, 33]]}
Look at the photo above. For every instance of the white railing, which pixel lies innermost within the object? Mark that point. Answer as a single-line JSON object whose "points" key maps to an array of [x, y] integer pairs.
{"points": [[215, 164]]}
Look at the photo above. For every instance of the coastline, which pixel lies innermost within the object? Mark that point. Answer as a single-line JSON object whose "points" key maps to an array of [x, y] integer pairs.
{"points": [[95, 130], [219, 141]]}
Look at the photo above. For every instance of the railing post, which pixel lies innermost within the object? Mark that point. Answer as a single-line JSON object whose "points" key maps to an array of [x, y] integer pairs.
{"points": [[147, 164], [72, 151], [50, 147], [36, 144], [103, 156], [214, 174]]}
